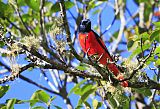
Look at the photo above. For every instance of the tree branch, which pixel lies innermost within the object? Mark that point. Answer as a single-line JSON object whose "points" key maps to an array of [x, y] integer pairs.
{"points": [[66, 27], [120, 34]]}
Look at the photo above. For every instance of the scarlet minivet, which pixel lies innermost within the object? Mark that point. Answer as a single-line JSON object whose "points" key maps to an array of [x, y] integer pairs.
{"points": [[92, 44]]}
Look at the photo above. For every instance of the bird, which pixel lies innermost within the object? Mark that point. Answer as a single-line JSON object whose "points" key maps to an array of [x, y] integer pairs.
{"points": [[92, 44]]}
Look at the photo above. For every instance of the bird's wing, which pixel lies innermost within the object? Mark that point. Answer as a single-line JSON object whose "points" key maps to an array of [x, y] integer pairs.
{"points": [[102, 44]]}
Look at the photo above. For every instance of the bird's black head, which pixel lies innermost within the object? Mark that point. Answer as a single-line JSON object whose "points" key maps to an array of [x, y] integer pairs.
{"points": [[85, 26]]}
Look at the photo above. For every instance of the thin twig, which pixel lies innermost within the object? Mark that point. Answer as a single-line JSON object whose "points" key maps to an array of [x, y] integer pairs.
{"points": [[141, 64], [132, 16]]}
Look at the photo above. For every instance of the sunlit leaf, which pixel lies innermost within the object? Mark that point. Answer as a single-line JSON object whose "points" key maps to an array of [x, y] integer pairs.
{"points": [[49, 6], [26, 17], [77, 86], [41, 96], [81, 67], [85, 96], [157, 24], [6, 10], [10, 103], [86, 88], [93, 4], [21, 3], [33, 4], [155, 35], [157, 62], [56, 6], [96, 104]]}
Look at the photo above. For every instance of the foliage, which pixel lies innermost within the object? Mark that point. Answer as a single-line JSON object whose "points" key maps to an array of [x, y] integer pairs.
{"points": [[44, 33]]}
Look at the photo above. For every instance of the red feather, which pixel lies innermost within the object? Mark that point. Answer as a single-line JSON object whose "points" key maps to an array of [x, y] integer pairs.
{"points": [[92, 44], [157, 14]]}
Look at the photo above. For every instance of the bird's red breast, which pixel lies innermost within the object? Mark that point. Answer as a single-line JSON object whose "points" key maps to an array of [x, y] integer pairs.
{"points": [[92, 46]]}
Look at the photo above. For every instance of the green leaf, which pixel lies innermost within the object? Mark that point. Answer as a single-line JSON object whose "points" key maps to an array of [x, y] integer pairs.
{"points": [[157, 50], [79, 107], [56, 6], [122, 100], [86, 88], [49, 6], [155, 77], [112, 102], [39, 96], [69, 4], [33, 4], [150, 60], [26, 17], [38, 107], [6, 10], [130, 44], [10, 103], [85, 96], [157, 62], [157, 24], [138, 50], [77, 86], [87, 105], [126, 105], [21, 3], [144, 91], [155, 35], [82, 68], [93, 4], [78, 91], [137, 30], [3, 107], [96, 104], [3, 90], [144, 36]]}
